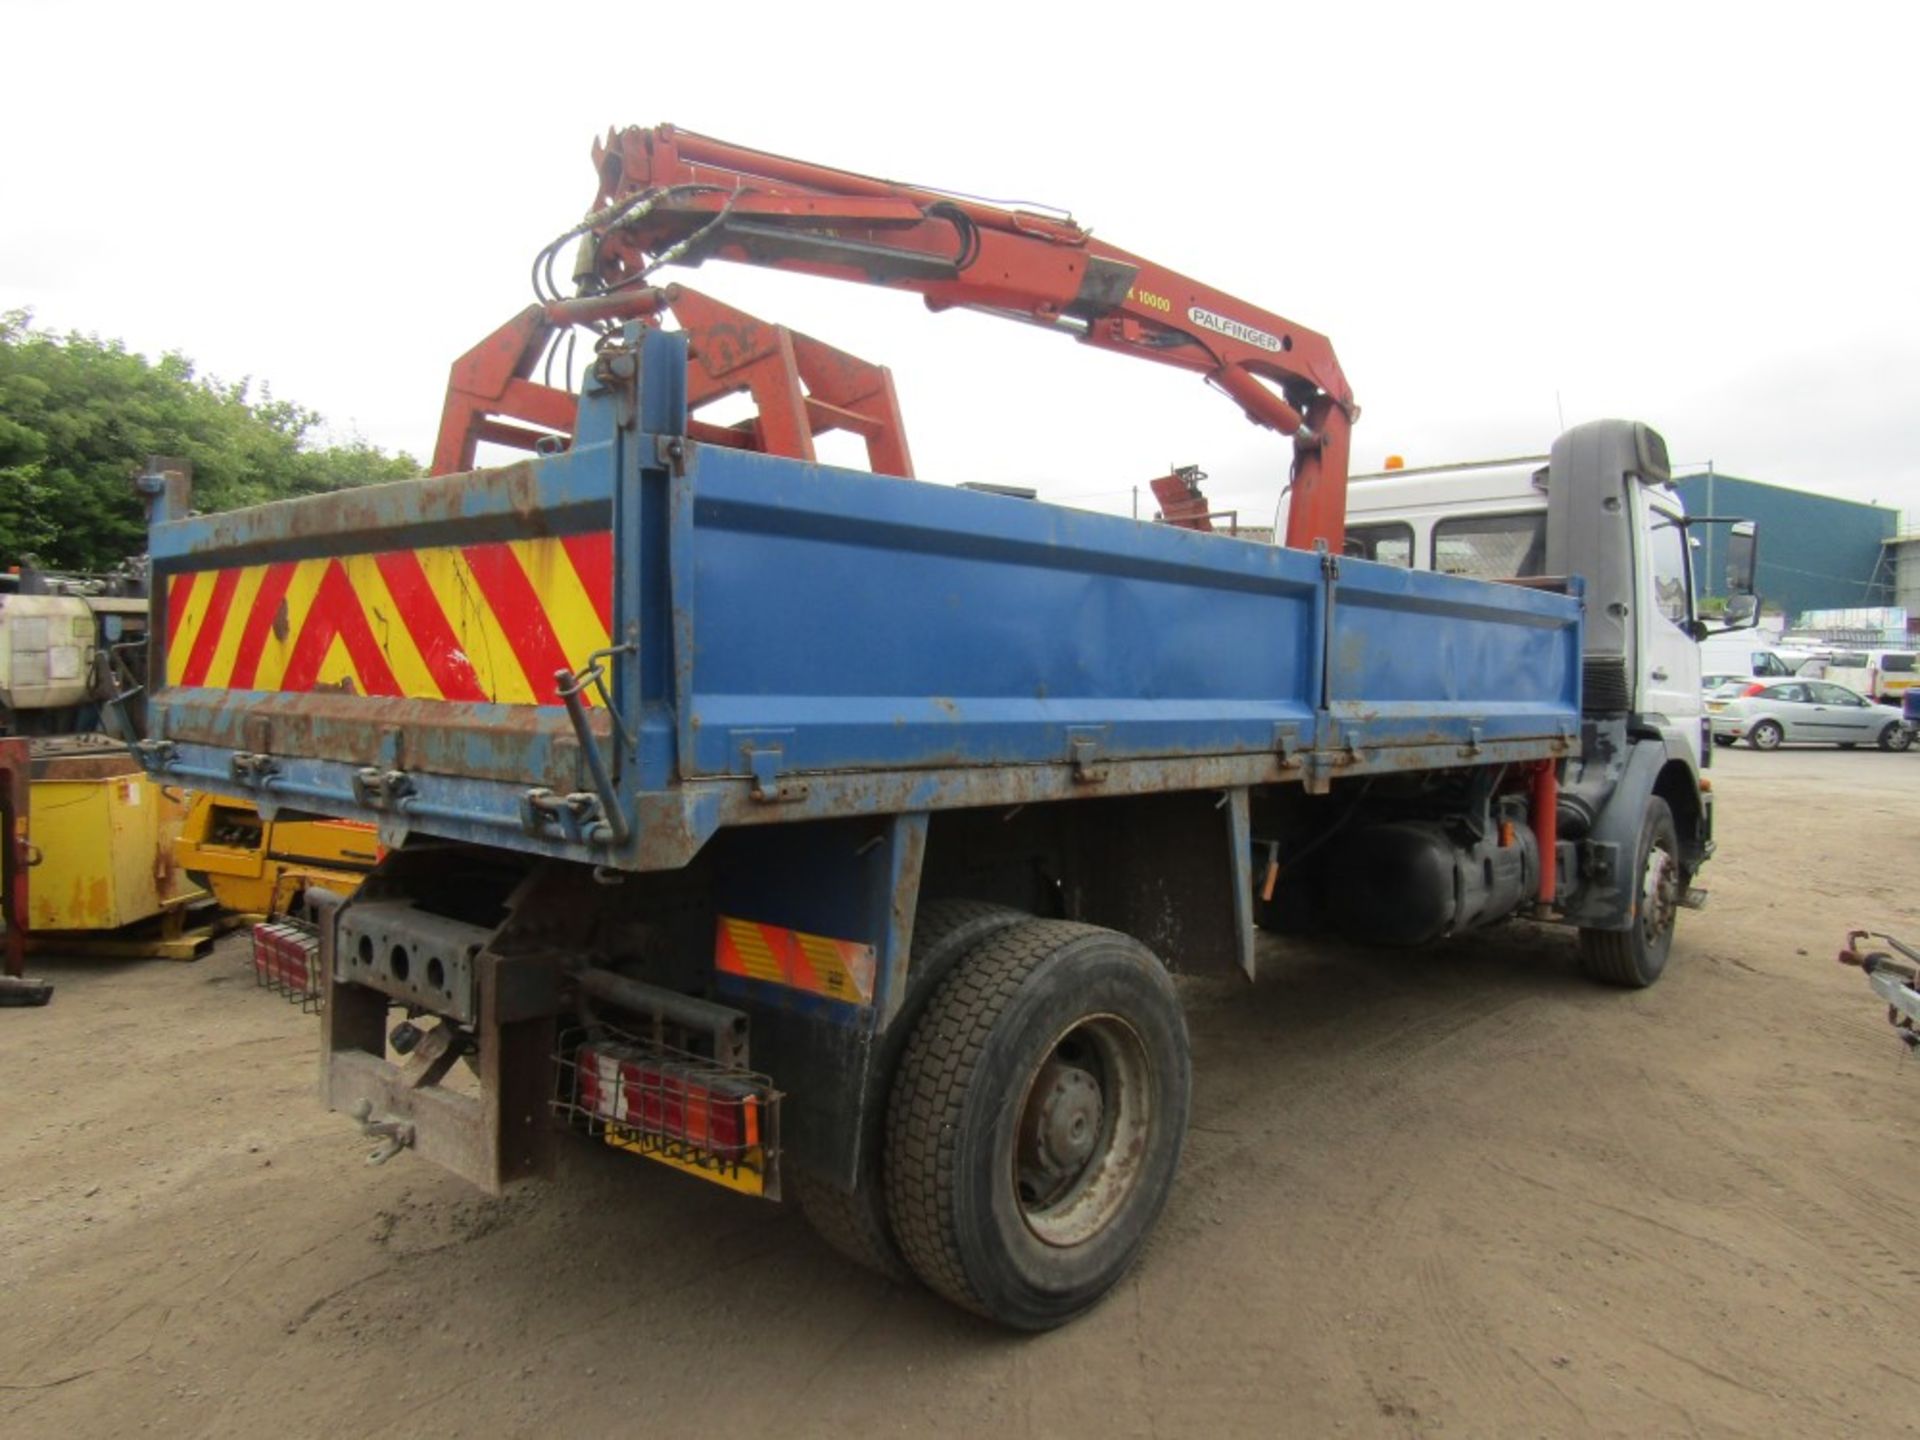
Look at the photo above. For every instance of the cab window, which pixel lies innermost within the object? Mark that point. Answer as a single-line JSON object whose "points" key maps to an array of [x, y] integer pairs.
{"points": [[1897, 664], [1390, 543], [1667, 553], [1491, 547]]}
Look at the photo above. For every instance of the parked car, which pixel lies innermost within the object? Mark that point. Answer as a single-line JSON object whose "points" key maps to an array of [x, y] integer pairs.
{"points": [[1804, 712]]}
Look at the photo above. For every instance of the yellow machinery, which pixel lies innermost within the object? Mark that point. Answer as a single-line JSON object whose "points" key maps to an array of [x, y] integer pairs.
{"points": [[120, 867], [101, 838], [114, 865], [257, 867], [100, 853]]}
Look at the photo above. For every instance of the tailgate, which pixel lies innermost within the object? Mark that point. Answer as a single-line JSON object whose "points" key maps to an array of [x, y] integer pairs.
{"points": [[399, 648]]}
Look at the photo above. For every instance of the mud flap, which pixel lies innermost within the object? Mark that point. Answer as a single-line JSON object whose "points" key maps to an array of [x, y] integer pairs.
{"points": [[1240, 856], [1607, 883]]}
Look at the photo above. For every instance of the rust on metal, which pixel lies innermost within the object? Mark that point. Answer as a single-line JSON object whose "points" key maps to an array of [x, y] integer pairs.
{"points": [[468, 740]]}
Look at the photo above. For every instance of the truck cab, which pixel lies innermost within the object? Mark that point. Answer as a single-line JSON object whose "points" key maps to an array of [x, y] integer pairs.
{"points": [[1599, 517], [1499, 520]]}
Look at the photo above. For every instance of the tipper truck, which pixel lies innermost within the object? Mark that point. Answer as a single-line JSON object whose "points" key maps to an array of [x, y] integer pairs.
{"points": [[817, 831]]}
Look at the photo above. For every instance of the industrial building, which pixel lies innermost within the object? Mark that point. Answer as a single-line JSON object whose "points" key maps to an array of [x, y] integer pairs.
{"points": [[1817, 552], [1901, 559]]}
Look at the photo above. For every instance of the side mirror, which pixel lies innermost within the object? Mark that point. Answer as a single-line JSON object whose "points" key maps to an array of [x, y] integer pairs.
{"points": [[1743, 559], [1743, 562]]}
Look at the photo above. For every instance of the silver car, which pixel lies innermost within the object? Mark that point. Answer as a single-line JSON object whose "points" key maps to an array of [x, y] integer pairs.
{"points": [[1805, 712]]}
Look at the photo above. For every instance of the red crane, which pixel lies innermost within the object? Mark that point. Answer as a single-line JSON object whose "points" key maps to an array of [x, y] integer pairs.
{"points": [[668, 196]]}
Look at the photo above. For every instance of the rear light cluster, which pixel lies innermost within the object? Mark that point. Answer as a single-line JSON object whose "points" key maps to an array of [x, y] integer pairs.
{"points": [[623, 1084], [716, 1121], [286, 960]]}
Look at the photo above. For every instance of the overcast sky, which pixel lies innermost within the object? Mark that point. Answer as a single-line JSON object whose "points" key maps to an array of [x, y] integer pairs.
{"points": [[1700, 216]]}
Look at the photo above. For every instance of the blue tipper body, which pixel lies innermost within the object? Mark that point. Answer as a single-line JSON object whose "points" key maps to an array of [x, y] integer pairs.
{"points": [[794, 641]]}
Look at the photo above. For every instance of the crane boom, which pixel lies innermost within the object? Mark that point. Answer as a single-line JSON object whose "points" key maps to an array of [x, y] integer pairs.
{"points": [[669, 196]]}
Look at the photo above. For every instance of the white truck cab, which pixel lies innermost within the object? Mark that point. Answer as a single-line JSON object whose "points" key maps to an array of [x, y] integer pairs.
{"points": [[1623, 531]]}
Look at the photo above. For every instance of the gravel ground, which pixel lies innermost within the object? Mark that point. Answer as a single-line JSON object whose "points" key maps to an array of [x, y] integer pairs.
{"points": [[1458, 1192]]}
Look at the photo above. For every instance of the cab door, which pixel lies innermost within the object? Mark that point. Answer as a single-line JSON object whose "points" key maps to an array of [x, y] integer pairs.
{"points": [[1669, 655]]}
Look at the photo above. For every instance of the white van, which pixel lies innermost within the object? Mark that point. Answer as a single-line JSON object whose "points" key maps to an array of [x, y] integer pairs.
{"points": [[1883, 675], [1748, 653]]}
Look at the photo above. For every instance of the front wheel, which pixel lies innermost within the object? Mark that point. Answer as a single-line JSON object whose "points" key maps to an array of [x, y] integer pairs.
{"points": [[1037, 1122], [1767, 735], [1894, 736], [1636, 957]]}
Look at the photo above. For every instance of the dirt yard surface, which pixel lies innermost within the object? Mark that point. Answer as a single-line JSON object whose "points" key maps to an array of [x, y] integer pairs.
{"points": [[1461, 1193]]}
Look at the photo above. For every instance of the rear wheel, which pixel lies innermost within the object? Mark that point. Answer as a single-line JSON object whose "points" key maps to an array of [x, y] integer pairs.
{"points": [[1637, 956], [1767, 735], [1037, 1122], [1893, 736], [855, 1222]]}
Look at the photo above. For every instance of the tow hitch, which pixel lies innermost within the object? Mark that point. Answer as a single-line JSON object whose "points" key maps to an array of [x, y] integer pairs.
{"points": [[393, 1135], [1893, 981]]}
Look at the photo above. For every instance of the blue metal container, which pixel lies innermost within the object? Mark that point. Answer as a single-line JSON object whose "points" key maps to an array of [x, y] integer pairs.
{"points": [[789, 641]]}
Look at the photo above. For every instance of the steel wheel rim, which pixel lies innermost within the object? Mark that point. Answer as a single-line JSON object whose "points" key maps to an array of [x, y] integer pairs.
{"points": [[1660, 895], [1084, 1121]]}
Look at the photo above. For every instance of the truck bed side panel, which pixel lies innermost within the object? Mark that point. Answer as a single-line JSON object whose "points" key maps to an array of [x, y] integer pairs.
{"points": [[881, 623], [781, 640], [1416, 657]]}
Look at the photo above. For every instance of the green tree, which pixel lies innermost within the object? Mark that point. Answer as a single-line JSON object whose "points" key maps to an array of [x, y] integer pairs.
{"points": [[79, 415]]}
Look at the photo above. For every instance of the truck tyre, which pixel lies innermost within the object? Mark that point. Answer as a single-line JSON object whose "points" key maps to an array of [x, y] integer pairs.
{"points": [[1767, 735], [1037, 1122], [1636, 956], [855, 1224], [1893, 736]]}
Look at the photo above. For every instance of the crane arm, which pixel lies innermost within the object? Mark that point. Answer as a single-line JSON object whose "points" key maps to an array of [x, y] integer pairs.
{"points": [[670, 196]]}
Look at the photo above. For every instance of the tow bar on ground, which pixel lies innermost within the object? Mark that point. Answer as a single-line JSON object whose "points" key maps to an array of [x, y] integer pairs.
{"points": [[1891, 980]]}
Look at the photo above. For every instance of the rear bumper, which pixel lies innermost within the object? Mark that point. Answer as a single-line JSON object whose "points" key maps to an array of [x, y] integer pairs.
{"points": [[492, 1135]]}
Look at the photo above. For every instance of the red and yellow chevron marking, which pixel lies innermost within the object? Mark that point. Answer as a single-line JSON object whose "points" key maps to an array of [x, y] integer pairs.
{"points": [[455, 622], [838, 969]]}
